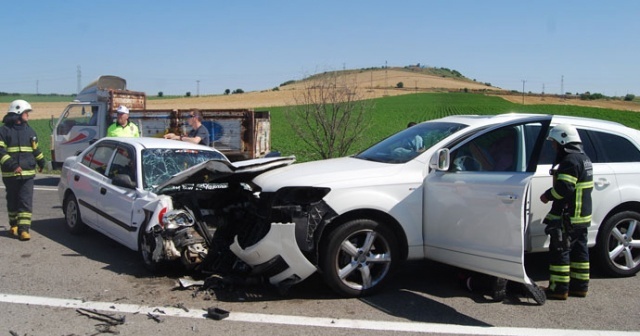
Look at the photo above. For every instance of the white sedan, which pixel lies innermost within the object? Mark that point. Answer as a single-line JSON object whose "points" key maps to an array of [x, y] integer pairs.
{"points": [[155, 196]]}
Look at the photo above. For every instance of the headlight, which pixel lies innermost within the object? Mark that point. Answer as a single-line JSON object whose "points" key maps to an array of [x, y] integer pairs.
{"points": [[299, 195], [177, 218]]}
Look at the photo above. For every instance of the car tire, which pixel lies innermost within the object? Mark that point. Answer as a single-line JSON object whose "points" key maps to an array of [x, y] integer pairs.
{"points": [[614, 251], [358, 257], [146, 245], [72, 216]]}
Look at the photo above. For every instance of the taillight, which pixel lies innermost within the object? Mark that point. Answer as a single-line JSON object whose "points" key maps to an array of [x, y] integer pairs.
{"points": [[161, 215]]}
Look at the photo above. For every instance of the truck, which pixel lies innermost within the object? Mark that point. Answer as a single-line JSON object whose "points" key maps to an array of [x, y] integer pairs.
{"points": [[240, 134]]}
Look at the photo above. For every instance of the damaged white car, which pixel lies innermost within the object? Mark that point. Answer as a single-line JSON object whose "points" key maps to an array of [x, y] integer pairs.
{"points": [[116, 187], [469, 197]]}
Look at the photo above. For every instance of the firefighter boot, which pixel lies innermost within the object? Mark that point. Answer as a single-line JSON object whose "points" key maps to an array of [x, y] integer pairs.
{"points": [[556, 295], [14, 231], [24, 234], [578, 293]]}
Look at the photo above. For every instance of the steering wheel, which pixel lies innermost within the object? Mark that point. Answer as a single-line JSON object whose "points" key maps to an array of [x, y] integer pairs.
{"points": [[467, 163]]}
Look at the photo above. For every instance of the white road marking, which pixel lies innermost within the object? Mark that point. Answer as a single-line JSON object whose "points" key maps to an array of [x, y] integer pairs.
{"points": [[37, 188], [302, 320]]}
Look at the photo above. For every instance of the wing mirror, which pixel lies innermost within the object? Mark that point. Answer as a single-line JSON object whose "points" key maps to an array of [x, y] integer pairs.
{"points": [[440, 160]]}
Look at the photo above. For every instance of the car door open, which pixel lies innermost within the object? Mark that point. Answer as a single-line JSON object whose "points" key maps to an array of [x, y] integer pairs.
{"points": [[475, 214]]}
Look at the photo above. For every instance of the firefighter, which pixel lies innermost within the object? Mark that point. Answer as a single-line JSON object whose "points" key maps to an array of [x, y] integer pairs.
{"points": [[19, 155], [570, 215]]}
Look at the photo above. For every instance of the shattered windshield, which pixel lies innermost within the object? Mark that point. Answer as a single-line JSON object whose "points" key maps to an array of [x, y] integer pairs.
{"points": [[159, 164], [409, 143]]}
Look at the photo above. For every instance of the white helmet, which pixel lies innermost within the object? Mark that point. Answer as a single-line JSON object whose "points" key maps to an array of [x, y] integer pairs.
{"points": [[19, 106], [564, 134]]}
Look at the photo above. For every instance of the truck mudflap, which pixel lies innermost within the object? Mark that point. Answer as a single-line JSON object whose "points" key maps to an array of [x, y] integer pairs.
{"points": [[277, 253]]}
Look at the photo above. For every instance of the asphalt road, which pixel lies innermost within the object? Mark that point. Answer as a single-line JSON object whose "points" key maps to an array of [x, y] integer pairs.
{"points": [[49, 281]]}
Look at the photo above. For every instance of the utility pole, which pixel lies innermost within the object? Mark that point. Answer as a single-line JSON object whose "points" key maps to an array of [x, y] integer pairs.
{"points": [[562, 87], [385, 79], [542, 91], [523, 81], [198, 88], [79, 74], [37, 84]]}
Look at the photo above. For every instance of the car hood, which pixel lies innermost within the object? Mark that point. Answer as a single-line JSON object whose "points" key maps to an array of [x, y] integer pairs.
{"points": [[217, 171], [329, 173]]}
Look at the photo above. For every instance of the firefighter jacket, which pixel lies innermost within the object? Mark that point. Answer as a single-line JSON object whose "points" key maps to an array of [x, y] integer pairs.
{"points": [[572, 186], [19, 148]]}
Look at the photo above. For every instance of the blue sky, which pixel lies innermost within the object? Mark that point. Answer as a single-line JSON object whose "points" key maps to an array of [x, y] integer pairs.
{"points": [[206, 47]]}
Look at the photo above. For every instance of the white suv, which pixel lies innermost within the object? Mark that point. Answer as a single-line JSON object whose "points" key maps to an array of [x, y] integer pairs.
{"points": [[459, 200]]}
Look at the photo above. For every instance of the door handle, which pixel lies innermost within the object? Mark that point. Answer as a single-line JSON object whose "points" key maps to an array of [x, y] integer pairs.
{"points": [[103, 191], [76, 178], [507, 197], [600, 183]]}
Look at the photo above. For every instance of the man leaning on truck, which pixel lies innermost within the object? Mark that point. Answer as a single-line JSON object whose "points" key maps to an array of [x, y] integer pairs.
{"points": [[122, 127]]}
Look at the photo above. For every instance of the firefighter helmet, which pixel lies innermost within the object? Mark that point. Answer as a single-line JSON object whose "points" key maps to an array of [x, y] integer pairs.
{"points": [[564, 134], [19, 106]]}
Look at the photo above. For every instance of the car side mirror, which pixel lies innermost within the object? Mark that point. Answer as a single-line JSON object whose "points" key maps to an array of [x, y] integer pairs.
{"points": [[440, 160], [123, 180]]}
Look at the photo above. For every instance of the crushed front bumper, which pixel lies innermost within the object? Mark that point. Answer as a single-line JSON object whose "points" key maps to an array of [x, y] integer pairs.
{"points": [[277, 255]]}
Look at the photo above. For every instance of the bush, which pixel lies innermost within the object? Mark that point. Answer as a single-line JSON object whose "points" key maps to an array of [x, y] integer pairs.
{"points": [[400, 85], [629, 97], [188, 94], [160, 94], [238, 91]]}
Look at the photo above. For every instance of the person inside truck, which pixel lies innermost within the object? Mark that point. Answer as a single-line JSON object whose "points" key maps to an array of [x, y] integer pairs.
{"points": [[122, 127], [199, 134]]}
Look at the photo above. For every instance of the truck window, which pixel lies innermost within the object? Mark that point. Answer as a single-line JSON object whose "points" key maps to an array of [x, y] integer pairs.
{"points": [[76, 115]]}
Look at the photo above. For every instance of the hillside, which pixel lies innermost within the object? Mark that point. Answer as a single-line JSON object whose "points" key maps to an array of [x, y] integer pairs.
{"points": [[370, 83]]}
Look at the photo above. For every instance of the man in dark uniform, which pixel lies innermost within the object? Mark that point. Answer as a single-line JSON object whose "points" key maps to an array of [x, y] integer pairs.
{"points": [[570, 215], [19, 155]]}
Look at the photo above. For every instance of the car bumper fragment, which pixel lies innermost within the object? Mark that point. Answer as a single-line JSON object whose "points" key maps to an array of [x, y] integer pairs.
{"points": [[279, 243]]}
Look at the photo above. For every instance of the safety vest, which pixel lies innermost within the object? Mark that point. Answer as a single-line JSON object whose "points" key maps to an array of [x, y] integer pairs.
{"points": [[129, 130]]}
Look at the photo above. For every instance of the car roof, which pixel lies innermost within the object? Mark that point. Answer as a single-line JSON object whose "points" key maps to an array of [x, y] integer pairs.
{"points": [[482, 120], [150, 142]]}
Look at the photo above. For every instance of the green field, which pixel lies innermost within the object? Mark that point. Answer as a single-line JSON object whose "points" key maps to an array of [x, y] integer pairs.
{"points": [[391, 114]]}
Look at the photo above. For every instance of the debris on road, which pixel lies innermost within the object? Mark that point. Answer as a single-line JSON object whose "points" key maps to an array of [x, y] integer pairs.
{"points": [[217, 313], [106, 318], [188, 282], [155, 317]]}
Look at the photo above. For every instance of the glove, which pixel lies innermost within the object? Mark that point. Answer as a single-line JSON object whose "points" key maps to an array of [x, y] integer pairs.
{"points": [[556, 235]]}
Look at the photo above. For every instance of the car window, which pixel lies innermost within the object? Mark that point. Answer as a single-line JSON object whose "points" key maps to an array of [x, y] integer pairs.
{"points": [[98, 158], [160, 164], [123, 163], [409, 143], [613, 148], [600, 147], [506, 149]]}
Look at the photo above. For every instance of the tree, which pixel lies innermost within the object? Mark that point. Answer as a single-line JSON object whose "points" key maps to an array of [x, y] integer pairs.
{"points": [[227, 91], [188, 94], [160, 94], [329, 115], [400, 85]]}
